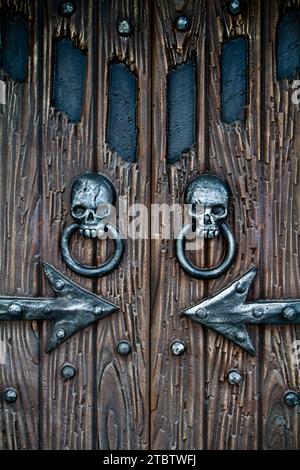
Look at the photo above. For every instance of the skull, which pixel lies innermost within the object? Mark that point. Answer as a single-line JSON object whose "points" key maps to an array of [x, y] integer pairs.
{"points": [[208, 197], [91, 197]]}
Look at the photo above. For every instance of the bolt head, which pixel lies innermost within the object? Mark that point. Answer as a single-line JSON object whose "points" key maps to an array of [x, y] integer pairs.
{"points": [[15, 309], [182, 23], [59, 285], [124, 348], [292, 399], [234, 377], [125, 27], [289, 313], [177, 348], [68, 372], [258, 312], [201, 313], [67, 9], [241, 288], [240, 336], [60, 334], [235, 7], [10, 395]]}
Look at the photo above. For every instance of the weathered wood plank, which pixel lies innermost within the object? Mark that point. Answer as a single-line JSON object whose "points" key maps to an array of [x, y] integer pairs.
{"points": [[280, 261], [67, 151], [122, 382], [177, 388], [19, 239], [234, 155]]}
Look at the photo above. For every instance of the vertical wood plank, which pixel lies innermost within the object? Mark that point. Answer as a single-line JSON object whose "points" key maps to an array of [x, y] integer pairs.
{"points": [[280, 262], [19, 239], [67, 151], [177, 395], [234, 155], [122, 382]]}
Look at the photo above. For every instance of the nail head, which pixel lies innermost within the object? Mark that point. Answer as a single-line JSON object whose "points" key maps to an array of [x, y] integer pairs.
{"points": [[178, 348], [68, 372], [234, 377], [182, 23], [292, 399], [124, 348], [10, 395]]}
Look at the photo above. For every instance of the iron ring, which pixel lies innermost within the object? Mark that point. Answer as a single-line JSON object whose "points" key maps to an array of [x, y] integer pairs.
{"points": [[209, 273], [88, 271]]}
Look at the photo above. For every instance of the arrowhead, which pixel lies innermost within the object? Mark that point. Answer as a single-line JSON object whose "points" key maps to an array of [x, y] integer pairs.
{"points": [[80, 308], [219, 312]]}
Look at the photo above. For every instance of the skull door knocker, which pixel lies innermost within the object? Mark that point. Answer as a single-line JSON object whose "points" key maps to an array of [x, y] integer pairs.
{"points": [[208, 199], [92, 196]]}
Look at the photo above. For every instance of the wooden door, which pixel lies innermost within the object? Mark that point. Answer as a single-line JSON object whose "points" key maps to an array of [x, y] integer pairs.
{"points": [[149, 94]]}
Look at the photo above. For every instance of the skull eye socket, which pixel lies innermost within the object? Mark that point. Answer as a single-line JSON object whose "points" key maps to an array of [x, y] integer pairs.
{"points": [[218, 210], [79, 211]]}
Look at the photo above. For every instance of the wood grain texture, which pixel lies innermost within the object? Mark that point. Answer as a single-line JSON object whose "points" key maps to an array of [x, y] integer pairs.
{"points": [[235, 155], [67, 151], [177, 387], [122, 383], [280, 262], [19, 235]]}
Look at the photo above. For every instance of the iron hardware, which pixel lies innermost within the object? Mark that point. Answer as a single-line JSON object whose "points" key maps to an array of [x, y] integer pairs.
{"points": [[10, 395], [125, 27], [67, 9], [211, 195], [227, 313], [73, 309], [177, 348], [92, 196], [124, 348], [68, 372], [182, 23], [234, 377], [292, 399]]}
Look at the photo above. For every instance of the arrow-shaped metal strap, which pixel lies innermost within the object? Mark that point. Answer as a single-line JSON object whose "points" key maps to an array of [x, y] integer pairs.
{"points": [[227, 313], [73, 309]]}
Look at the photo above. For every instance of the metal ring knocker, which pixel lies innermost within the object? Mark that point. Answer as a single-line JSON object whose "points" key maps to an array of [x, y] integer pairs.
{"points": [[92, 193], [213, 195]]}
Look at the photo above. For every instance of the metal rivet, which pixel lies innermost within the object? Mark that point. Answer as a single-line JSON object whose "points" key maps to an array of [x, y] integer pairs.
{"points": [[235, 7], [10, 395], [182, 23], [124, 28], [124, 348], [98, 310], [241, 288], [292, 399], [258, 312], [240, 336], [201, 313], [15, 309], [47, 310], [289, 313], [234, 377], [68, 372], [177, 348], [60, 334], [67, 9], [59, 285]]}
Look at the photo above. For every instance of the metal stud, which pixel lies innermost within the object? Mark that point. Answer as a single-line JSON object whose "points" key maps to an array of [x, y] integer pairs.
{"points": [[258, 312], [177, 348], [292, 399], [124, 27], [289, 313], [240, 336], [201, 313], [67, 9], [234, 377], [182, 23], [124, 348], [60, 334], [15, 309], [241, 288], [59, 285], [68, 372], [10, 395], [235, 7]]}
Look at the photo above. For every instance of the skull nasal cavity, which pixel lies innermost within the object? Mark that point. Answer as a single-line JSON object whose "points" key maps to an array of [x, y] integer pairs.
{"points": [[90, 217], [207, 219]]}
